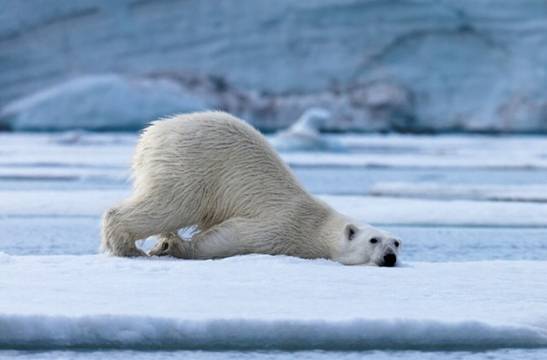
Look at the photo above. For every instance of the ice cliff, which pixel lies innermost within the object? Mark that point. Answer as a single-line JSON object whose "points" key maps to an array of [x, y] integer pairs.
{"points": [[468, 65]]}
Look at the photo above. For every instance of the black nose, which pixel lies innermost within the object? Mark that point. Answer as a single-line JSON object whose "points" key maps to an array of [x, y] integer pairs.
{"points": [[389, 260]]}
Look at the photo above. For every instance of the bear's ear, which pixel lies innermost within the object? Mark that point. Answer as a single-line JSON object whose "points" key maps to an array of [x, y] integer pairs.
{"points": [[350, 231]]}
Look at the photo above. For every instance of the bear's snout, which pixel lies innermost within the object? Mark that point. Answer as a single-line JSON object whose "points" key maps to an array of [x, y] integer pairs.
{"points": [[389, 260]]}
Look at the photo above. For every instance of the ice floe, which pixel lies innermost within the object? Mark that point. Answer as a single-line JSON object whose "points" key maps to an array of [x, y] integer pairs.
{"points": [[265, 302]]}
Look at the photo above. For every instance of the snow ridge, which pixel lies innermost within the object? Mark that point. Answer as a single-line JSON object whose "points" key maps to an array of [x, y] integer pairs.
{"points": [[142, 332]]}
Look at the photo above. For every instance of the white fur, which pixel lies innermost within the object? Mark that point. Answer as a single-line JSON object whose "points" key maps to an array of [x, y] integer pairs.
{"points": [[213, 171]]}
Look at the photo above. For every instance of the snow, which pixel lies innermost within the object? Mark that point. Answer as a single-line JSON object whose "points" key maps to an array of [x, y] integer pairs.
{"points": [[63, 235], [37, 150], [373, 151], [386, 210], [57, 173], [535, 193], [415, 160], [472, 207], [376, 210], [265, 302], [410, 151], [304, 134]]}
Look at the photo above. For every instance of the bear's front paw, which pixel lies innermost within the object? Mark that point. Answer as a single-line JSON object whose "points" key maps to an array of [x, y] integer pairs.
{"points": [[162, 248]]}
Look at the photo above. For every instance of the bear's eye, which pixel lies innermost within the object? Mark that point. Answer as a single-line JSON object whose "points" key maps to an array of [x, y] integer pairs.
{"points": [[396, 243], [164, 246], [373, 241]]}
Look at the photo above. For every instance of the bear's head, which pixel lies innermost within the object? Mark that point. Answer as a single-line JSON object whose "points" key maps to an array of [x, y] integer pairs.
{"points": [[353, 244]]}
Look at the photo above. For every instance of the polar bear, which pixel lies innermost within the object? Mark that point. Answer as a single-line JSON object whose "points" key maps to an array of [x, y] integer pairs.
{"points": [[217, 174]]}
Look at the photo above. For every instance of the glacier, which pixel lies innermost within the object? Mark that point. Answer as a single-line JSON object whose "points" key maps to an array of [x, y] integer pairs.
{"points": [[468, 65]]}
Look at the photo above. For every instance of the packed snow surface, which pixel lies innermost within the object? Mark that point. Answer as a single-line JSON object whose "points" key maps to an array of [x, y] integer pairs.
{"points": [[371, 209], [265, 302], [406, 151], [436, 193]]}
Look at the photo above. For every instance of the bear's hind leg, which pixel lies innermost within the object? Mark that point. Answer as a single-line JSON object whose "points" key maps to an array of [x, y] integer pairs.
{"points": [[117, 236], [133, 220], [235, 236]]}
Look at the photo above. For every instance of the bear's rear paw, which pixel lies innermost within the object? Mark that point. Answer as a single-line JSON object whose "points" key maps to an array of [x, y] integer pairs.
{"points": [[168, 247], [160, 249]]}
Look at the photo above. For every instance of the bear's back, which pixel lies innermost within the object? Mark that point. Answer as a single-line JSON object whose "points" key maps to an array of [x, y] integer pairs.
{"points": [[217, 154]]}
